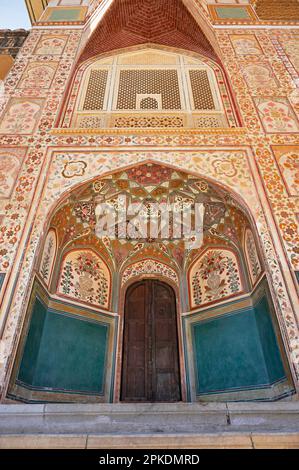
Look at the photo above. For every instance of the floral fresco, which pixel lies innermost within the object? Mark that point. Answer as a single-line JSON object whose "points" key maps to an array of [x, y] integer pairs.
{"points": [[245, 44], [51, 45], [214, 276], [259, 77], [48, 257], [10, 164], [86, 278], [38, 75], [252, 258], [277, 116], [149, 267], [21, 117], [288, 161]]}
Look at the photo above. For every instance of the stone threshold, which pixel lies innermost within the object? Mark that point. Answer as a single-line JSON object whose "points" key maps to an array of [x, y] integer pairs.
{"points": [[169, 426]]}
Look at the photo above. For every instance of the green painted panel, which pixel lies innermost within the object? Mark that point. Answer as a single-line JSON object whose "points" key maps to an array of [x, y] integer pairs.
{"points": [[65, 15], [228, 353], [232, 13], [2, 276], [30, 354], [269, 342], [72, 355]]}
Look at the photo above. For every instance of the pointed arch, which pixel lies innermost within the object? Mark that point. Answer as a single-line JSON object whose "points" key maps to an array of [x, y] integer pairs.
{"points": [[148, 267], [233, 317]]}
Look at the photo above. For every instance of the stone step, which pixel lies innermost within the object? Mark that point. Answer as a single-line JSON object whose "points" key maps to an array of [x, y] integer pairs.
{"points": [[149, 419]]}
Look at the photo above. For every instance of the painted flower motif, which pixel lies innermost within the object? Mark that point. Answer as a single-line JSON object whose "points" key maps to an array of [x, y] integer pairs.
{"points": [[149, 266], [51, 46], [289, 164], [277, 117], [7, 163], [149, 174], [246, 46], [258, 76], [72, 169], [216, 276], [85, 211], [20, 118], [38, 76], [226, 168], [290, 231], [84, 278], [202, 186]]}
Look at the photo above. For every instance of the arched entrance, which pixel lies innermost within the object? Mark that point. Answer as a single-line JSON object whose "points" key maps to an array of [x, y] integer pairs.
{"points": [[150, 371], [229, 341]]}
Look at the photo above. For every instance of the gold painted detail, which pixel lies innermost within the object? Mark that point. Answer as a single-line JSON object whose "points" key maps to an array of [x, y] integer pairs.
{"points": [[152, 131]]}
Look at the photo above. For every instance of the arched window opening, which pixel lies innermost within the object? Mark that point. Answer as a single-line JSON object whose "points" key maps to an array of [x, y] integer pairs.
{"points": [[149, 88]]}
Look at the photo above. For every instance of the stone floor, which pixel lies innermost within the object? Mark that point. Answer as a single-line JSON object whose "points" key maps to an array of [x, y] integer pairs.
{"points": [[179, 425]]}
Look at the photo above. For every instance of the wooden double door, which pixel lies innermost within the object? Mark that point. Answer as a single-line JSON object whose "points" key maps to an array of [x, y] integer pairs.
{"points": [[150, 353]]}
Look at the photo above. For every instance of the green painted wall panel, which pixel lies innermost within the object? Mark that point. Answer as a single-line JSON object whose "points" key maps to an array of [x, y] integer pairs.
{"points": [[64, 353], [228, 353], [30, 354], [237, 351], [2, 276], [269, 342], [236, 13], [72, 355], [65, 15]]}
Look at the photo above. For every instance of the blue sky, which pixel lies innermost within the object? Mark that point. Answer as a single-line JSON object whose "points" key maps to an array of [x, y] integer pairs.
{"points": [[13, 14]]}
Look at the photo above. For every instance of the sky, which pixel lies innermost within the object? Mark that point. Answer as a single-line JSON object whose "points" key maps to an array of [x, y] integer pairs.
{"points": [[13, 14]]}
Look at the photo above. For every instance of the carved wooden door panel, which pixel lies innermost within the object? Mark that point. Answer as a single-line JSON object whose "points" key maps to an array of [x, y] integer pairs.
{"points": [[150, 353]]}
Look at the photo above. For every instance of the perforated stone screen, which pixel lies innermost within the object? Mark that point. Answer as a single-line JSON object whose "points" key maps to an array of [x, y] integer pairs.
{"points": [[201, 90], [133, 82], [95, 94]]}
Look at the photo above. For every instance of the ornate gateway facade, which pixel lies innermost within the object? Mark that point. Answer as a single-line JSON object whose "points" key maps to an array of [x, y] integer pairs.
{"points": [[148, 204]]}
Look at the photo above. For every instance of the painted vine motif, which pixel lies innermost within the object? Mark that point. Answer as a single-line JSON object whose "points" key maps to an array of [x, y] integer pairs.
{"points": [[85, 277], [48, 257], [252, 257], [214, 276]]}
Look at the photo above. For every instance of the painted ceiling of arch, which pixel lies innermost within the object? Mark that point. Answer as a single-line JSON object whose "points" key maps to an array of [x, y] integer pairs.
{"points": [[166, 22], [75, 220]]}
